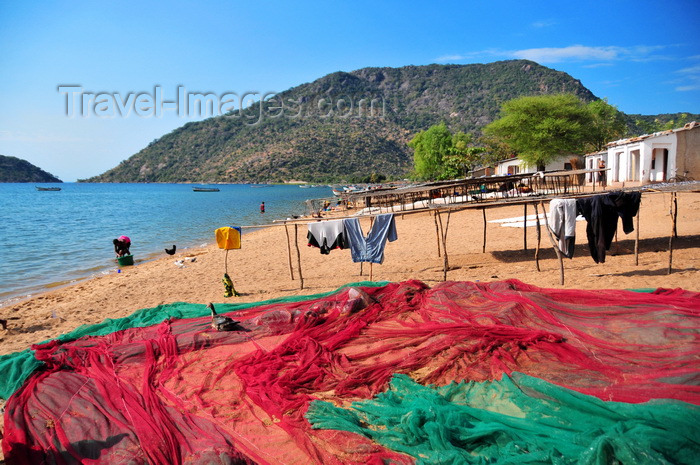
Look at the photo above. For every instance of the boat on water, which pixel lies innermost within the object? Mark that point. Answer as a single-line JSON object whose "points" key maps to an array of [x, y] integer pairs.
{"points": [[348, 190], [47, 189], [205, 189]]}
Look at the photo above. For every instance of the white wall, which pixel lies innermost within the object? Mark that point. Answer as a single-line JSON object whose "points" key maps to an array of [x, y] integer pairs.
{"points": [[502, 168], [632, 162], [591, 163], [557, 165]]}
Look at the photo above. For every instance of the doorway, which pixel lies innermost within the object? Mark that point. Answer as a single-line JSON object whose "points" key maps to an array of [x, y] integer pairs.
{"points": [[633, 173]]}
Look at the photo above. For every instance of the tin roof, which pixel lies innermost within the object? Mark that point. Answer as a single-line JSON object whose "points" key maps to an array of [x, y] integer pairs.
{"points": [[633, 140]]}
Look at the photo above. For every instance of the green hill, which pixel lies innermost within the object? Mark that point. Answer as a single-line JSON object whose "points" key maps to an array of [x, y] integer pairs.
{"points": [[13, 169], [343, 126]]}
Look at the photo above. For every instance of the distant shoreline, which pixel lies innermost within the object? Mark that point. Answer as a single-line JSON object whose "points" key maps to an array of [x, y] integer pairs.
{"points": [[85, 214]]}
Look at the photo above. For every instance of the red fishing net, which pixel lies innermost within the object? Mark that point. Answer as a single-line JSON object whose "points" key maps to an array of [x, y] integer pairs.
{"points": [[182, 392]]}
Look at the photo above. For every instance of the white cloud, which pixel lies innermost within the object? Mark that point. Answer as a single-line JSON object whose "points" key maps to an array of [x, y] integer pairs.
{"points": [[597, 65], [601, 54], [688, 88], [573, 52], [692, 70], [446, 58], [690, 77], [543, 23], [487, 54]]}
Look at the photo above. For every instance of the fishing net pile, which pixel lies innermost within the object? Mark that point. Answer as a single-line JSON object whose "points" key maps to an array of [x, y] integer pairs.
{"points": [[401, 373]]}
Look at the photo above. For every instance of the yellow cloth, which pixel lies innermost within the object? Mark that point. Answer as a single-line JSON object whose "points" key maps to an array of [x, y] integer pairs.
{"points": [[228, 237]]}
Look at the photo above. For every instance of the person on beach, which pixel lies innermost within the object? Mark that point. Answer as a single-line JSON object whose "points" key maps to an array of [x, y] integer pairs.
{"points": [[121, 246], [601, 173], [262, 207]]}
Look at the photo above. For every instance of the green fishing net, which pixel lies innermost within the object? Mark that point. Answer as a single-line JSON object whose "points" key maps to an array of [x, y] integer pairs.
{"points": [[517, 420]]}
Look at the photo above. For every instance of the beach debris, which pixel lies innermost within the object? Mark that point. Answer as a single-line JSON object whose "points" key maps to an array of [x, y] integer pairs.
{"points": [[171, 251], [221, 322], [229, 290], [181, 262], [357, 300]]}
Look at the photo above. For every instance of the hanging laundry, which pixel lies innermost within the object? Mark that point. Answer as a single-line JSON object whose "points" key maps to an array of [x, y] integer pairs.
{"points": [[562, 222], [327, 235], [370, 248], [627, 206], [228, 237], [601, 213]]}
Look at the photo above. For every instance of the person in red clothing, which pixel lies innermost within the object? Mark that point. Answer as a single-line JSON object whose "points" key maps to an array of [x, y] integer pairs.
{"points": [[121, 246], [262, 207]]}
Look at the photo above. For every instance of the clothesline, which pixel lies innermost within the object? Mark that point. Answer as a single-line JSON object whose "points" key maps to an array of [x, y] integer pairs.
{"points": [[458, 207], [441, 230]]}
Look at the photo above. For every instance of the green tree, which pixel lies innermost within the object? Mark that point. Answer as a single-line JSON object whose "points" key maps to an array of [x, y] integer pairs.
{"points": [[430, 147], [543, 128], [647, 127], [608, 124], [462, 157]]}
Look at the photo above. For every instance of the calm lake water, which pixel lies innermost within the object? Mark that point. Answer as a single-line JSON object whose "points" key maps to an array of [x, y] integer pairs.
{"points": [[53, 238]]}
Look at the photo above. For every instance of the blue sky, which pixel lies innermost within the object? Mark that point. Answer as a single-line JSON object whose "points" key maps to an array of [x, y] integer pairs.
{"points": [[644, 56]]}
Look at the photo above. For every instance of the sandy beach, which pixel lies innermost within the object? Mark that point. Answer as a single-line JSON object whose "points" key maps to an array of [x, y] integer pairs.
{"points": [[260, 269]]}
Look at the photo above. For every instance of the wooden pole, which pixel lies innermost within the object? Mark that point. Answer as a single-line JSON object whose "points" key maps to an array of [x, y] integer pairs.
{"points": [[674, 211], [554, 244], [371, 223], [437, 231], [296, 245], [636, 238], [525, 226], [539, 235], [444, 244], [593, 176], [443, 233], [289, 252], [483, 212]]}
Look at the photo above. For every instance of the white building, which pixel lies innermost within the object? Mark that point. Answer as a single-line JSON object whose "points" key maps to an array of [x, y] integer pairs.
{"points": [[592, 161], [654, 157], [517, 166]]}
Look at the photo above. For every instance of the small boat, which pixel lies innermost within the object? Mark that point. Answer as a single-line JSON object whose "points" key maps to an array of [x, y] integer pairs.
{"points": [[48, 189], [205, 189]]}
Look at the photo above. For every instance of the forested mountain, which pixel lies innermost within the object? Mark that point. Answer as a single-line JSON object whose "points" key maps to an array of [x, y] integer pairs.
{"points": [[343, 126], [13, 169]]}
